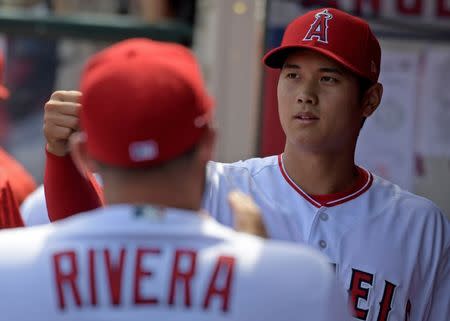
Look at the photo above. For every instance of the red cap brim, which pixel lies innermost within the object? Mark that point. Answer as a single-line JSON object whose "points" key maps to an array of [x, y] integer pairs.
{"points": [[275, 58]]}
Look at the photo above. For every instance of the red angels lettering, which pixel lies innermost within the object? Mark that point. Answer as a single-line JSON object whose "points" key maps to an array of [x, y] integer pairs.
{"points": [[182, 276], [64, 276], [223, 274], [92, 278], [443, 9], [385, 304], [140, 274], [409, 9], [358, 292], [114, 273], [319, 28]]}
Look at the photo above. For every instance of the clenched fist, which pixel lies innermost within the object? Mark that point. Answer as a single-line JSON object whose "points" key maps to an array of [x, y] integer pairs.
{"points": [[61, 120]]}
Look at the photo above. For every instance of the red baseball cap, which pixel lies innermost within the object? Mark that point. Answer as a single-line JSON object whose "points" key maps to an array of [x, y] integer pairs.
{"points": [[336, 34], [4, 92], [144, 102]]}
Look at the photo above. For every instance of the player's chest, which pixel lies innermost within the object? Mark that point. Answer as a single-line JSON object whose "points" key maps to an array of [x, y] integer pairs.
{"points": [[375, 259]]}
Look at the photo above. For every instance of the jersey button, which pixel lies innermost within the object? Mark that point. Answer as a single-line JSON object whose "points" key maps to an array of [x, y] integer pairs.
{"points": [[323, 216], [322, 244]]}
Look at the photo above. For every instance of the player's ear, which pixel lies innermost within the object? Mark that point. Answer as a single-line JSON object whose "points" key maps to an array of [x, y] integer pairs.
{"points": [[80, 156], [372, 99], [206, 144]]}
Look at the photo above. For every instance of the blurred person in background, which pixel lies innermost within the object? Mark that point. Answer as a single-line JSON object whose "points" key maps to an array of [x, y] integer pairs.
{"points": [[31, 65], [15, 182]]}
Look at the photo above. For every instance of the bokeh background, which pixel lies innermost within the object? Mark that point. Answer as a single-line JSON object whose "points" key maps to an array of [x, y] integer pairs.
{"points": [[46, 43]]}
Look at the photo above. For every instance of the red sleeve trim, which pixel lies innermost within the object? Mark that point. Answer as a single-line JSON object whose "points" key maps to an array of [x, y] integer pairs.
{"points": [[67, 192]]}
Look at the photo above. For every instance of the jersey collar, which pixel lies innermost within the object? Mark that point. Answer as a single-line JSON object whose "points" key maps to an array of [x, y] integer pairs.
{"points": [[361, 185]]}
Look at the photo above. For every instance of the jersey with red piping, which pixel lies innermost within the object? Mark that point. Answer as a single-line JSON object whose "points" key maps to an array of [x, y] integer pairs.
{"points": [[390, 248], [126, 262]]}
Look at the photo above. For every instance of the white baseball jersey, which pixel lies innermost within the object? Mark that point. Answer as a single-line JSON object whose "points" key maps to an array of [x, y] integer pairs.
{"points": [[33, 209], [390, 248], [125, 262]]}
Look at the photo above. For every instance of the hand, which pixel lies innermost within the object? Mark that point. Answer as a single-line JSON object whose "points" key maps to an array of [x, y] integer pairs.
{"points": [[247, 215], [61, 120]]}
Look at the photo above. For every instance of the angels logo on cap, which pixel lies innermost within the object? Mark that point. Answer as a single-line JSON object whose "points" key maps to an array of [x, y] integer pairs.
{"points": [[319, 28], [361, 55]]}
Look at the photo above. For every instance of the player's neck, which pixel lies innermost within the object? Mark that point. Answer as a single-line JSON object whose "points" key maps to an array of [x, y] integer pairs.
{"points": [[320, 173], [182, 193]]}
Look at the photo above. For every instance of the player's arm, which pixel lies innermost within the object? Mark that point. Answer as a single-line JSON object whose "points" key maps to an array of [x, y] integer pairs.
{"points": [[67, 191]]}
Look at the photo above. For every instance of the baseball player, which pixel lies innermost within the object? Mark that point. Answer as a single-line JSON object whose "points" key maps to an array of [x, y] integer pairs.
{"points": [[389, 248], [15, 182], [150, 254]]}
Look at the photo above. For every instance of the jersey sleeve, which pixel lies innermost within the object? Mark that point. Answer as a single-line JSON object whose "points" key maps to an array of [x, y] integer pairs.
{"points": [[434, 270], [217, 188], [440, 297], [67, 192], [9, 209]]}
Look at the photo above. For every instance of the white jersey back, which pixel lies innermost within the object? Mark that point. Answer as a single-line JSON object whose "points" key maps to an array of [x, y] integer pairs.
{"points": [[125, 262], [390, 248]]}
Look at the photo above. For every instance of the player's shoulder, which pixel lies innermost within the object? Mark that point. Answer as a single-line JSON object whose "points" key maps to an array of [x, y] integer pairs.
{"points": [[24, 242], [394, 195], [284, 273], [270, 264], [252, 166], [34, 209], [393, 199]]}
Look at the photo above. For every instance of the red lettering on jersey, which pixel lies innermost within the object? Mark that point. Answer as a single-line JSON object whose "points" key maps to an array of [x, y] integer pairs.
{"points": [[408, 311], [92, 278], [413, 10], [385, 304], [183, 276], [140, 273], [442, 10], [375, 4], [67, 277], [358, 292], [114, 272], [319, 28], [223, 273]]}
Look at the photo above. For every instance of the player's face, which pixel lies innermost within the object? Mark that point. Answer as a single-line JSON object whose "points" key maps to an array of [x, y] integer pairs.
{"points": [[318, 103]]}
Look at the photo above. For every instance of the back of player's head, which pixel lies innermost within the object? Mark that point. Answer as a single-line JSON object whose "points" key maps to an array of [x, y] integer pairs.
{"points": [[144, 103], [335, 34]]}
